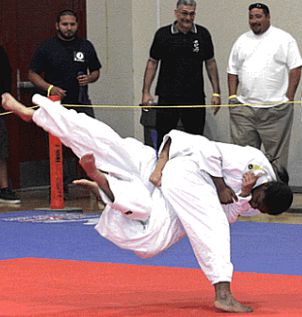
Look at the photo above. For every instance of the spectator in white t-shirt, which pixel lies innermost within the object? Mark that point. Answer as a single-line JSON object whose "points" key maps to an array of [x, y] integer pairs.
{"points": [[266, 64]]}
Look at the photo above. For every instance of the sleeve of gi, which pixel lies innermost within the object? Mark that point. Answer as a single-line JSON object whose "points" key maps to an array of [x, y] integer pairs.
{"points": [[239, 208]]}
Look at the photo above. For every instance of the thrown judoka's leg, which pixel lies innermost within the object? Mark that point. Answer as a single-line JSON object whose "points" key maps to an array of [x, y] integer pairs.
{"points": [[84, 134], [9, 103], [193, 196], [87, 135]]}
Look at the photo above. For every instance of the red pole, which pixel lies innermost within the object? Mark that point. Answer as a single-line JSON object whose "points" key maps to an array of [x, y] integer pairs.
{"points": [[56, 169]]}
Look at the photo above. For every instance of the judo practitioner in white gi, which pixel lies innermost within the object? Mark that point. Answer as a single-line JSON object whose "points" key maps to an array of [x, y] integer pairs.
{"points": [[243, 177], [137, 217], [229, 165]]}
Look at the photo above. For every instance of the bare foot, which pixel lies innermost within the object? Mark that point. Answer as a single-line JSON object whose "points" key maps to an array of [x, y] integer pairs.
{"points": [[226, 302], [90, 185], [232, 305], [9, 103]]}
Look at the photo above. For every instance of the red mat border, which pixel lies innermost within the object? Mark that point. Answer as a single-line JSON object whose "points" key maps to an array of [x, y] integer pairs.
{"points": [[44, 287]]}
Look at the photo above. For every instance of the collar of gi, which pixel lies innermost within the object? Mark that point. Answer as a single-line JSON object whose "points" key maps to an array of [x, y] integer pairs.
{"points": [[174, 29]]}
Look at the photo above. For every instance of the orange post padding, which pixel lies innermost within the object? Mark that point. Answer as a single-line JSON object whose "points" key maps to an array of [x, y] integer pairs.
{"points": [[56, 169]]}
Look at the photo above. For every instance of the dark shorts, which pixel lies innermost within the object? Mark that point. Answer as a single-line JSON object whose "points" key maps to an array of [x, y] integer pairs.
{"points": [[3, 140]]}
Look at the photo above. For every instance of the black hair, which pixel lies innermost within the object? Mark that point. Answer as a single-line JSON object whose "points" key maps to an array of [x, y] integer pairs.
{"points": [[66, 12], [278, 197], [259, 5]]}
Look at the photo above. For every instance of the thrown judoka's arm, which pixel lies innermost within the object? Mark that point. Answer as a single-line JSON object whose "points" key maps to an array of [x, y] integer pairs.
{"points": [[102, 182], [129, 196], [156, 175]]}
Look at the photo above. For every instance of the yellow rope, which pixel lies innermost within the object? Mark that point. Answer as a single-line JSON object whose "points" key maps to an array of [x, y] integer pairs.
{"points": [[163, 107], [10, 112], [181, 106]]}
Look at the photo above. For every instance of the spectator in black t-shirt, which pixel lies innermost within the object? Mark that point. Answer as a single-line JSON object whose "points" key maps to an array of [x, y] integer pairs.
{"points": [[181, 49], [64, 66], [68, 64], [6, 194]]}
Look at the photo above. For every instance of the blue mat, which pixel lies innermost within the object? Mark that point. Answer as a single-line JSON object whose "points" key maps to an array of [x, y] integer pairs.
{"points": [[256, 247]]}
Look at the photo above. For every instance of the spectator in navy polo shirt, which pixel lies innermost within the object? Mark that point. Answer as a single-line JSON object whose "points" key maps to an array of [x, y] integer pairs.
{"points": [[181, 49], [65, 64]]}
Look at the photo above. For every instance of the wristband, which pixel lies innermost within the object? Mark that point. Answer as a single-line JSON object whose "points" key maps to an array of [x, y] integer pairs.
{"points": [[232, 96], [49, 90], [215, 94]]}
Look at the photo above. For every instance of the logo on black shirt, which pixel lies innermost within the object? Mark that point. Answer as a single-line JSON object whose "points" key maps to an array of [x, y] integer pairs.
{"points": [[79, 57], [196, 46]]}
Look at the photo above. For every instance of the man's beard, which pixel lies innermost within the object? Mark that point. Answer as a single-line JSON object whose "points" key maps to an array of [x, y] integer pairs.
{"points": [[67, 37]]}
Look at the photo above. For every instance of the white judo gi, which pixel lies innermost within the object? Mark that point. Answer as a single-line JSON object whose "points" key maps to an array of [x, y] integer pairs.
{"points": [[152, 226], [224, 160], [191, 193], [154, 223]]}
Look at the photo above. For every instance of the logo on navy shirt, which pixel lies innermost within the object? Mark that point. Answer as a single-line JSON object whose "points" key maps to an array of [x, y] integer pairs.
{"points": [[196, 48], [79, 57]]}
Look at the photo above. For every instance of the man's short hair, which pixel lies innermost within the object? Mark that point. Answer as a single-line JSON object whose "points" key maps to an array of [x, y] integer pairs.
{"points": [[259, 5], [278, 197], [186, 3], [66, 12]]}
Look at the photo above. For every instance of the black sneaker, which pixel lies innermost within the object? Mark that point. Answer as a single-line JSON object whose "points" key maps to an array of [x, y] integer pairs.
{"points": [[8, 196]]}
